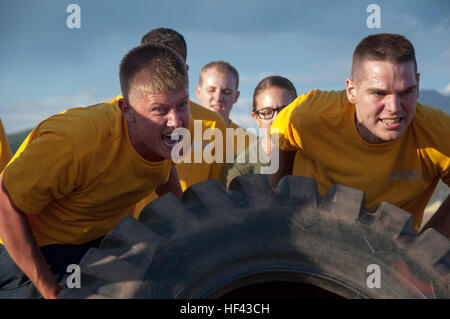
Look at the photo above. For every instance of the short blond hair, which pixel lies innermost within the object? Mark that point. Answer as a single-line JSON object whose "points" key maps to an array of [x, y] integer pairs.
{"points": [[152, 68], [221, 66]]}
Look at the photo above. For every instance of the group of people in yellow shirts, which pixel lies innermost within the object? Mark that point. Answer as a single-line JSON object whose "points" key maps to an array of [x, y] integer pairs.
{"points": [[80, 172]]}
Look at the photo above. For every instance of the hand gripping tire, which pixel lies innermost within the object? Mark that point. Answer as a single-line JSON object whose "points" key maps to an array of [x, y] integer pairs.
{"points": [[214, 243]]}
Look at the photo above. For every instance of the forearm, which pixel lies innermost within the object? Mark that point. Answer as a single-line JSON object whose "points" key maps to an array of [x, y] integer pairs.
{"points": [[20, 243], [172, 185], [285, 164], [441, 219]]}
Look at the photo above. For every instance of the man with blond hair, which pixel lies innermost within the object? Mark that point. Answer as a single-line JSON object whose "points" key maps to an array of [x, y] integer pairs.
{"points": [[373, 136], [217, 91], [193, 168], [80, 172]]}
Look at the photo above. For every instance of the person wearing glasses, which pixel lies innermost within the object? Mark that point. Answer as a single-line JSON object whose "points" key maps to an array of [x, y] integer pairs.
{"points": [[271, 95]]}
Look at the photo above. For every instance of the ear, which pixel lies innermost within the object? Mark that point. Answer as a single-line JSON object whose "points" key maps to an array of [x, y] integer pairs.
{"points": [[417, 84], [197, 91], [237, 96], [352, 90], [126, 109], [254, 116], [187, 67]]}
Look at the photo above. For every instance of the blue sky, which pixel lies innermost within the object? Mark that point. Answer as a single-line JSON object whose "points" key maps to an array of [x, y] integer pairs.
{"points": [[47, 67]]}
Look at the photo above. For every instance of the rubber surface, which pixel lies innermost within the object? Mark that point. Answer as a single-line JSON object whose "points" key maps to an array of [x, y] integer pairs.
{"points": [[214, 242]]}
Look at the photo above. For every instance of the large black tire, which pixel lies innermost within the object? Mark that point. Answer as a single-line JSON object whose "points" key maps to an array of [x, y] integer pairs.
{"points": [[216, 242]]}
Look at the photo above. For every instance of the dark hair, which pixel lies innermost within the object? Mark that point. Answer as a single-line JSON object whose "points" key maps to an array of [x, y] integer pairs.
{"points": [[273, 81], [222, 67], [384, 47], [167, 38], [152, 68]]}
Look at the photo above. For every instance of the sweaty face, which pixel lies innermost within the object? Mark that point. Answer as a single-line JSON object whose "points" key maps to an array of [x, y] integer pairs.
{"points": [[269, 101], [218, 92], [152, 119], [384, 95]]}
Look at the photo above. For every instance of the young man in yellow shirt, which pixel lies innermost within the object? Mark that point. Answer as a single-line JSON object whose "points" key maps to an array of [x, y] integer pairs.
{"points": [[5, 150], [85, 169], [217, 91], [373, 136], [197, 169]]}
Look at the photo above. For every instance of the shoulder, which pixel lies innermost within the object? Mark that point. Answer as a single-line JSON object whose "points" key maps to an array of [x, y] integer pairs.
{"points": [[431, 128], [320, 102], [200, 113], [315, 104], [83, 127], [432, 118]]}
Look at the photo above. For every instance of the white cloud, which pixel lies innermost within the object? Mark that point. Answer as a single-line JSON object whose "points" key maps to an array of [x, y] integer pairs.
{"points": [[446, 91]]}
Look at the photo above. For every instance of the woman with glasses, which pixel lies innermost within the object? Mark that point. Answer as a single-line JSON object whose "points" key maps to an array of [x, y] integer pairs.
{"points": [[271, 95]]}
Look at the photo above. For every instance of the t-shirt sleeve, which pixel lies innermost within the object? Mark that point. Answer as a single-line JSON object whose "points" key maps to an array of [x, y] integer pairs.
{"points": [[286, 127], [445, 175], [45, 171]]}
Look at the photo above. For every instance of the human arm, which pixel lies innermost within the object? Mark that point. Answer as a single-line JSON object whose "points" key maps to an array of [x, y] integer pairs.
{"points": [[441, 219], [20, 243], [285, 160], [172, 185]]}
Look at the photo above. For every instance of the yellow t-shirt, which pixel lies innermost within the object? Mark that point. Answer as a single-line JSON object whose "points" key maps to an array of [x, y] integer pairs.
{"points": [[5, 150], [77, 175], [198, 170], [403, 172]]}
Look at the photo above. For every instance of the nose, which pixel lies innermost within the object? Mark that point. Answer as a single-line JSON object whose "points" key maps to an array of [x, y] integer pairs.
{"points": [[393, 104], [217, 95], [173, 119]]}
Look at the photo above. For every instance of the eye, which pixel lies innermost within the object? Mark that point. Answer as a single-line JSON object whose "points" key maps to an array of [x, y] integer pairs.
{"points": [[407, 92], [161, 110], [182, 106]]}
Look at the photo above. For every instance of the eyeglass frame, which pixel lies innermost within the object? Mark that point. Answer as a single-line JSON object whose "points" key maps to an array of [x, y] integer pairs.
{"points": [[278, 109]]}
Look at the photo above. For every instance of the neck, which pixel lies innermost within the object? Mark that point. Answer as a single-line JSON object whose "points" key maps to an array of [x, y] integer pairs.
{"points": [[140, 147]]}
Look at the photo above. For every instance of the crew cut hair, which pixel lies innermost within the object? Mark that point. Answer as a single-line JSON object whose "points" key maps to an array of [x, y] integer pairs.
{"points": [[167, 38], [390, 47], [154, 69], [221, 66], [273, 81]]}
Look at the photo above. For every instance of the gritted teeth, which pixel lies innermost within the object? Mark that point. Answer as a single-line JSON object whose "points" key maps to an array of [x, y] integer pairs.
{"points": [[391, 121]]}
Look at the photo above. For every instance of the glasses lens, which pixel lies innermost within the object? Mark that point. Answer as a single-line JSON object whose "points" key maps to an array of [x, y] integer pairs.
{"points": [[266, 114]]}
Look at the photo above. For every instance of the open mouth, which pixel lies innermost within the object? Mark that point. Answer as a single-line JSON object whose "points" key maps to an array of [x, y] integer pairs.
{"points": [[170, 139], [217, 107], [391, 123]]}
